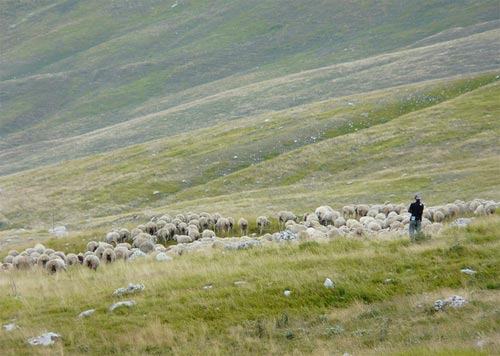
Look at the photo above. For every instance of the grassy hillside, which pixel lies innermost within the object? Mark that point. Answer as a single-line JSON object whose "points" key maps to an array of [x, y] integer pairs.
{"points": [[382, 303], [126, 72], [440, 138]]}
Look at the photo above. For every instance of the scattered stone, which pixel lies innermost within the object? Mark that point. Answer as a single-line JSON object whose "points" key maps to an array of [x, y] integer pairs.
{"points": [[86, 313], [329, 283], [9, 327], [462, 222], [388, 281], [455, 301], [162, 256], [129, 304], [45, 339], [137, 254], [287, 293], [59, 231], [468, 271], [242, 245], [284, 236], [208, 287], [132, 288], [240, 283]]}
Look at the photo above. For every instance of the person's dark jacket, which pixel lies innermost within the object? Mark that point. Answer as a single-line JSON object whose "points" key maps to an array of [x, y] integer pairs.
{"points": [[416, 209]]}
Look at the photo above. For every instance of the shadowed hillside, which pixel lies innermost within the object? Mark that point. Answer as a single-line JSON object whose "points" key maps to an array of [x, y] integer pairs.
{"points": [[79, 78]]}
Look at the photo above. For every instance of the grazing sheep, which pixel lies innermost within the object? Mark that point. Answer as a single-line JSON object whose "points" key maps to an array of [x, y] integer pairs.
{"points": [[124, 235], [348, 211], [207, 234], [193, 232], [183, 239], [56, 265], [72, 259], [263, 223], [151, 228], [92, 262], [362, 210], [321, 212], [39, 248], [222, 225], [112, 237], [147, 246], [121, 253], [92, 246], [23, 262], [8, 259], [59, 254], [42, 260], [243, 226], [284, 216], [108, 255], [490, 208]]}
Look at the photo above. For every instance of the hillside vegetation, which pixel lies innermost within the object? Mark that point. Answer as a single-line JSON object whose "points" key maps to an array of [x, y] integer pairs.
{"points": [[440, 138], [233, 302], [83, 77]]}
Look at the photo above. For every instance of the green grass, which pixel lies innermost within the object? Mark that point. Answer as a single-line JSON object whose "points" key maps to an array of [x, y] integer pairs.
{"points": [[364, 314], [73, 68], [438, 138]]}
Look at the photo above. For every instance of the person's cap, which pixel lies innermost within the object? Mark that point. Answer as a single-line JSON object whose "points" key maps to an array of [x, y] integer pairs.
{"points": [[417, 196]]}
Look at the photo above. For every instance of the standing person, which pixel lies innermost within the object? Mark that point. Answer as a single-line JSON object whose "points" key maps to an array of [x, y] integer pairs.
{"points": [[416, 210]]}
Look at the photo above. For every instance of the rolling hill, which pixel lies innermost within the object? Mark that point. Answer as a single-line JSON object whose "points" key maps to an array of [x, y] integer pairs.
{"points": [[241, 105]]}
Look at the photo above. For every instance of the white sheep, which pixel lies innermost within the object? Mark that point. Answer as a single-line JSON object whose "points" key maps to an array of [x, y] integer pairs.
{"points": [[207, 234], [243, 226], [55, 265], [284, 216], [263, 223], [92, 261]]}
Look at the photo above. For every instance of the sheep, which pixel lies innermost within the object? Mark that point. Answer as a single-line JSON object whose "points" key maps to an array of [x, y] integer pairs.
{"points": [[40, 248], [321, 212], [92, 261], [8, 259], [263, 223], [204, 223], [121, 253], [147, 246], [182, 228], [72, 259], [42, 260], [23, 262], [284, 216], [92, 246], [55, 265], [207, 234], [490, 208], [193, 232], [59, 254], [348, 211], [183, 239], [222, 225], [231, 223], [112, 237], [362, 210], [438, 216], [124, 235], [151, 228], [243, 226], [108, 255]]}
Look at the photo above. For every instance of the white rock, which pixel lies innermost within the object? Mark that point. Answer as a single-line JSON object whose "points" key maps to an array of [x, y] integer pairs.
{"points": [[9, 327], [132, 288], [468, 271], [129, 303], [162, 256], [45, 339], [287, 293], [86, 313], [329, 283], [240, 283]]}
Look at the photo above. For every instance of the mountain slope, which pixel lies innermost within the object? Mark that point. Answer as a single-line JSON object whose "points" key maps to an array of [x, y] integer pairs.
{"points": [[73, 68], [440, 138]]}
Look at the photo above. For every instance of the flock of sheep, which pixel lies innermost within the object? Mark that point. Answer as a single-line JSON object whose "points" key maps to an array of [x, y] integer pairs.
{"points": [[175, 235]]}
